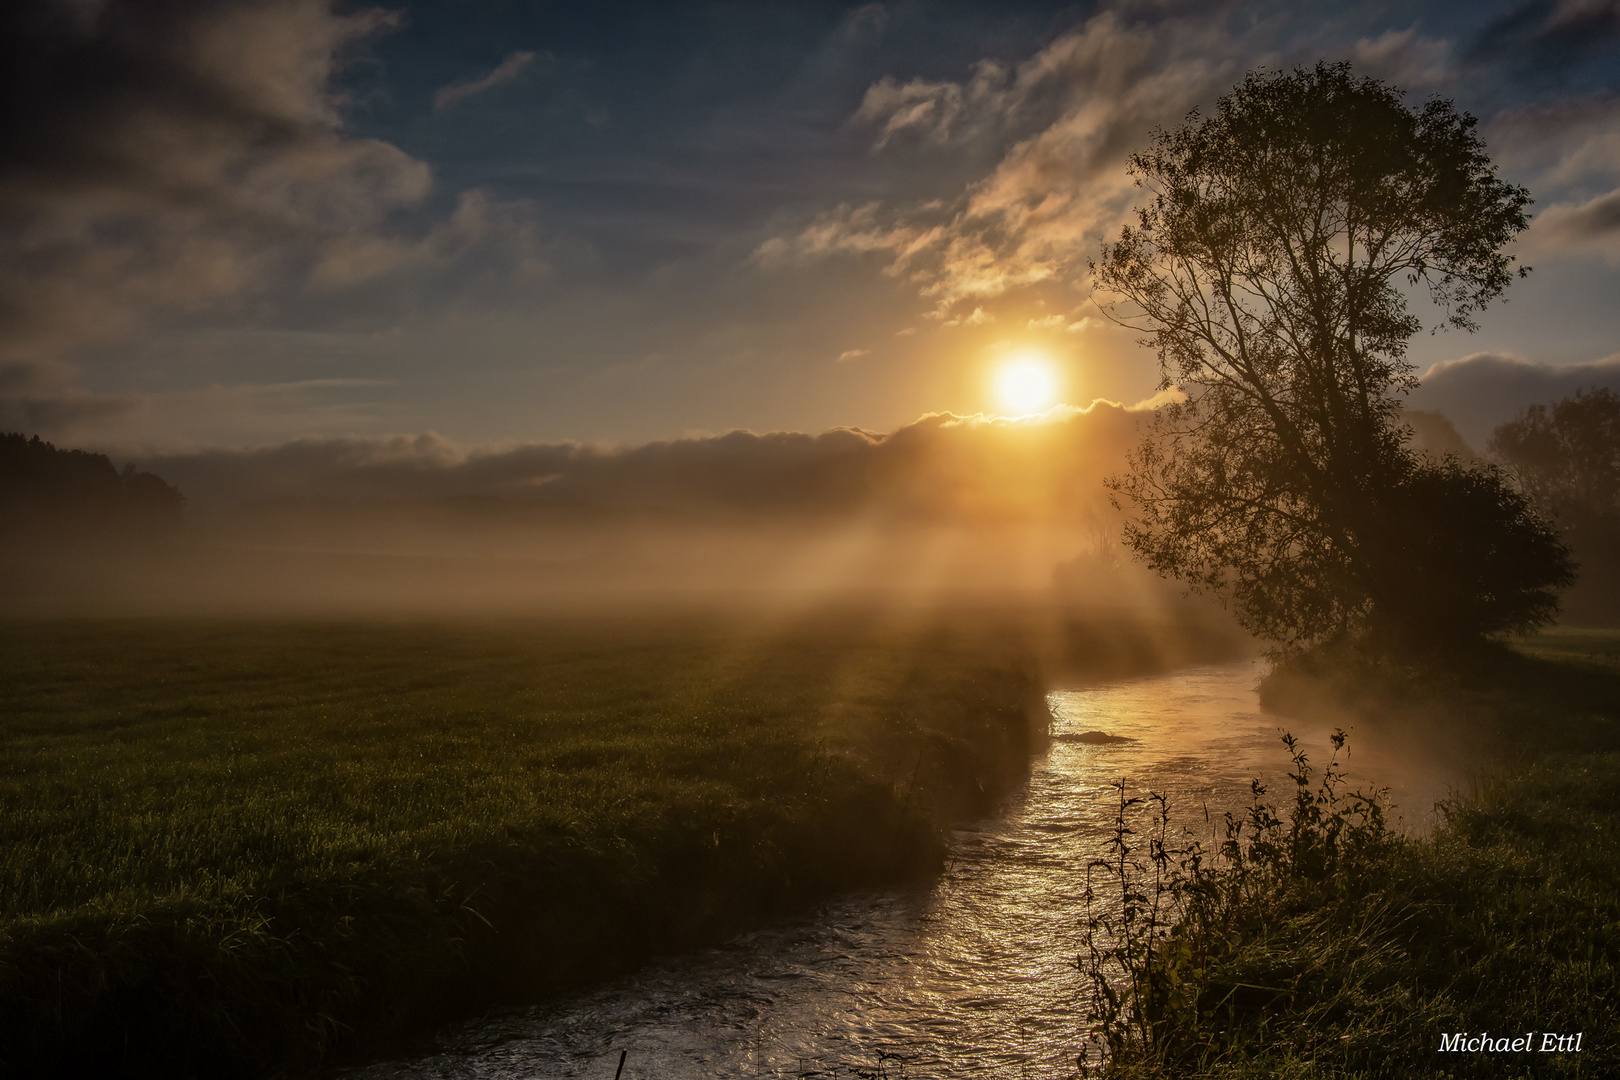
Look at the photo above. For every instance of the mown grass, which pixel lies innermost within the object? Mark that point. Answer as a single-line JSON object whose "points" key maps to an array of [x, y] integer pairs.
{"points": [[1325, 945], [238, 848]]}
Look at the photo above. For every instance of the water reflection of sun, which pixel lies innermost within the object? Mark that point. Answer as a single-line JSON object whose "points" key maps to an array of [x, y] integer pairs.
{"points": [[1026, 383]]}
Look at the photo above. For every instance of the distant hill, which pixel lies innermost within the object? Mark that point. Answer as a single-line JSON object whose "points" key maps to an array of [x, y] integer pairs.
{"points": [[54, 497]]}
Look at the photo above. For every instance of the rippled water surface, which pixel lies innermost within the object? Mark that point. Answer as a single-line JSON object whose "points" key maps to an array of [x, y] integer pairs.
{"points": [[972, 977]]}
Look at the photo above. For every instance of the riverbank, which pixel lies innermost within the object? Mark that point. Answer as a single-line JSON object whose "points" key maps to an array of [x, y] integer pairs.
{"points": [[1326, 944], [248, 847]]}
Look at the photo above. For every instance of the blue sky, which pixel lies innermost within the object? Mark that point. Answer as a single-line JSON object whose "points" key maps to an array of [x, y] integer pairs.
{"points": [[240, 224]]}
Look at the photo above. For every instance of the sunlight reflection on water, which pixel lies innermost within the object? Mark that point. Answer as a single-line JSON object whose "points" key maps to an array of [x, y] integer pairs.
{"points": [[972, 977]]}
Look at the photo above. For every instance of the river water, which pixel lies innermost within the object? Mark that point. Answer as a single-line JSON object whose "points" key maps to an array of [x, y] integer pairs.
{"points": [[973, 976]]}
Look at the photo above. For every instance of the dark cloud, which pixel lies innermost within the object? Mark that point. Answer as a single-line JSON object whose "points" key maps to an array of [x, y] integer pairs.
{"points": [[1549, 33], [169, 155], [1482, 391], [52, 413], [1569, 147], [161, 158], [81, 77], [1588, 224], [35, 398], [17, 378]]}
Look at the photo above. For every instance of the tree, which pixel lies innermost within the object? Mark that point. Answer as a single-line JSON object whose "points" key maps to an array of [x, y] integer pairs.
{"points": [[52, 499], [1566, 458], [1270, 269], [1463, 552]]}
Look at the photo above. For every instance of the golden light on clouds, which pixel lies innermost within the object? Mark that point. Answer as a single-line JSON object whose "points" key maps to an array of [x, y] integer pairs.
{"points": [[1026, 383]]}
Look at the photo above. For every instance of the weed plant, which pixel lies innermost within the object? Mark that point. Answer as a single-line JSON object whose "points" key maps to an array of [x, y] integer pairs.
{"points": [[1169, 935], [1316, 941]]}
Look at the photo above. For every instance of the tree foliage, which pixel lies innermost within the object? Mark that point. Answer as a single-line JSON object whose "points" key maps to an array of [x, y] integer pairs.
{"points": [[1566, 459], [1462, 552], [1270, 269]]}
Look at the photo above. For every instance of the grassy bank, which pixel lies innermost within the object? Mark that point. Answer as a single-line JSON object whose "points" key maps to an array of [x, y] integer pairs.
{"points": [[237, 848], [1323, 944]]}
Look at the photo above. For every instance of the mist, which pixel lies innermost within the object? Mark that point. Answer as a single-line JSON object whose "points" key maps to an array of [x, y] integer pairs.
{"points": [[948, 508]]}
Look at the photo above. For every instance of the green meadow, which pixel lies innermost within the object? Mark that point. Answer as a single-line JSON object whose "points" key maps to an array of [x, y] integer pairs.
{"points": [[260, 847], [239, 847]]}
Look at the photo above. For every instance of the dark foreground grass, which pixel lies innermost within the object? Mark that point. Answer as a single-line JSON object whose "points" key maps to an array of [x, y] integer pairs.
{"points": [[1325, 945], [234, 848]]}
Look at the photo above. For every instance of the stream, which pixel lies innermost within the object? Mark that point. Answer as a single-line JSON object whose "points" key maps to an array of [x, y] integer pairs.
{"points": [[972, 976]]}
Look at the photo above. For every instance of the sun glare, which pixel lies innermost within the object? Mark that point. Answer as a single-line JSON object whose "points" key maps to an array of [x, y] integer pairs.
{"points": [[1026, 384]]}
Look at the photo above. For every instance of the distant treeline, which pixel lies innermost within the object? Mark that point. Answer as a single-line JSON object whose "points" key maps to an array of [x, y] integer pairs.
{"points": [[73, 497]]}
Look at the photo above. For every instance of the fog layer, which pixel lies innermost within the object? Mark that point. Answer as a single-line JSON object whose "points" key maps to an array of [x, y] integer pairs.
{"points": [[948, 505]]}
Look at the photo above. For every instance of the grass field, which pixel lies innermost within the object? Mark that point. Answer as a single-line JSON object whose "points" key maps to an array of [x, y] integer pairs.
{"points": [[238, 847], [1336, 948]]}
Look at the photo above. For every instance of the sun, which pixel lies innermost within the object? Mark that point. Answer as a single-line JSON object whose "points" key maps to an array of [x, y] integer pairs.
{"points": [[1026, 383]]}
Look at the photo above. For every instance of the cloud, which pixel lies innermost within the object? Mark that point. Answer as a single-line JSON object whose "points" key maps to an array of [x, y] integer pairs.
{"points": [[507, 71], [773, 252], [1076, 109], [942, 466], [1482, 391], [165, 159], [1062, 123], [1590, 226], [1549, 34], [206, 153], [939, 112], [417, 521], [22, 377], [865, 23], [853, 230], [30, 414], [852, 354], [1405, 58], [479, 227], [977, 317], [51, 404], [1569, 151], [38, 398], [1563, 142]]}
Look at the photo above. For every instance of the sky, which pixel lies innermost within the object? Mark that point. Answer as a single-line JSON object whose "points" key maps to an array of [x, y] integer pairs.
{"points": [[487, 224]]}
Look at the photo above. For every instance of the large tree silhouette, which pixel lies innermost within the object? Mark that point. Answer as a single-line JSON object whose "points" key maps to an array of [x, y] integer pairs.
{"points": [[1270, 268]]}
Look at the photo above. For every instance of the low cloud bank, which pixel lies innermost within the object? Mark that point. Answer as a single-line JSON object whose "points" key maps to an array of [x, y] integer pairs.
{"points": [[942, 467], [1482, 391], [946, 506]]}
